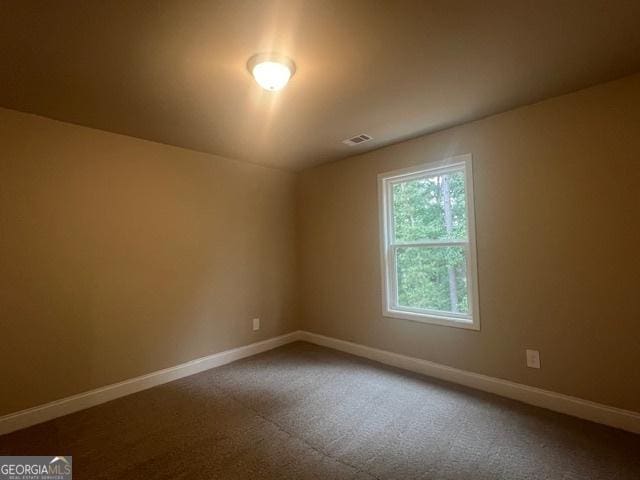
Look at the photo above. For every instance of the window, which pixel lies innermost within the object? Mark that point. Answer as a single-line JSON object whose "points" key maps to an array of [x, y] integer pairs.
{"points": [[428, 244]]}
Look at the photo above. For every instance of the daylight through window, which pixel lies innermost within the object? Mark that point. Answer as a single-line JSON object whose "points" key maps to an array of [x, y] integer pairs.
{"points": [[428, 243]]}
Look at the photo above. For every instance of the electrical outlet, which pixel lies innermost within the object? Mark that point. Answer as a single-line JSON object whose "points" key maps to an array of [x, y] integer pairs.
{"points": [[256, 324], [533, 359]]}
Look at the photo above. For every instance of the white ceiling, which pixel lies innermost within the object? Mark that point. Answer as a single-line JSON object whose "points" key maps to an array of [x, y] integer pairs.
{"points": [[175, 71]]}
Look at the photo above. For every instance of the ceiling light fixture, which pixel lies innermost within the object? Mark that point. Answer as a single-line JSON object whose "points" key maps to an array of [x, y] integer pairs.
{"points": [[271, 71]]}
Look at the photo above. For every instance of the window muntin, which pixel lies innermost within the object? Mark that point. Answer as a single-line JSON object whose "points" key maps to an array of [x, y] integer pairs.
{"points": [[428, 244]]}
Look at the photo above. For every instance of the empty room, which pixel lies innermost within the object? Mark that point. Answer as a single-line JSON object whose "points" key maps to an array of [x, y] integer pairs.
{"points": [[321, 239]]}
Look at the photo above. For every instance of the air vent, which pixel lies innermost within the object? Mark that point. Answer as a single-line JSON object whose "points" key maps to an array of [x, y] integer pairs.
{"points": [[357, 140]]}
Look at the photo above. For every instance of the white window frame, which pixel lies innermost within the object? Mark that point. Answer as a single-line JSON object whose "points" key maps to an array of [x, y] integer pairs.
{"points": [[387, 247]]}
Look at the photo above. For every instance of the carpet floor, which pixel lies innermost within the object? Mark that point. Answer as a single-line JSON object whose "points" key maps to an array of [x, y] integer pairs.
{"points": [[308, 412]]}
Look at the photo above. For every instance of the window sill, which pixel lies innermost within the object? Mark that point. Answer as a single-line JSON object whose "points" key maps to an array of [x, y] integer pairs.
{"points": [[443, 320]]}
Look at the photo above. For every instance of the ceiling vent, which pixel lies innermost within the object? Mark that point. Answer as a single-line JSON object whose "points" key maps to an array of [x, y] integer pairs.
{"points": [[357, 140]]}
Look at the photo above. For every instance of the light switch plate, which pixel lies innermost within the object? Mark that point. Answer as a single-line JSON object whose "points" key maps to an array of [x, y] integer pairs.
{"points": [[533, 359], [256, 324]]}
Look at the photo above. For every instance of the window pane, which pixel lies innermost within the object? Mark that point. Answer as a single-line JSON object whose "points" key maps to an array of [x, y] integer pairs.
{"points": [[432, 278], [430, 208]]}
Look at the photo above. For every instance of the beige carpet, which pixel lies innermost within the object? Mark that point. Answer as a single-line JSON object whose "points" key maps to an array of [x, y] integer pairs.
{"points": [[307, 412]]}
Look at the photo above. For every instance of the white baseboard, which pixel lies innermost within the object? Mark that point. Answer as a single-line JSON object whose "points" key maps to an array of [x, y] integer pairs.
{"points": [[58, 408], [577, 407]]}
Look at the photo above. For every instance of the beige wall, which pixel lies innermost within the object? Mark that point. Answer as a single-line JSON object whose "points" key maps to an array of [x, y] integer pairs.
{"points": [[120, 257], [557, 194]]}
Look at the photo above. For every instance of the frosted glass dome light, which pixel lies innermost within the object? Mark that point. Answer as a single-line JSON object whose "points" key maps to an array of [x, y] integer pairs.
{"points": [[272, 72]]}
